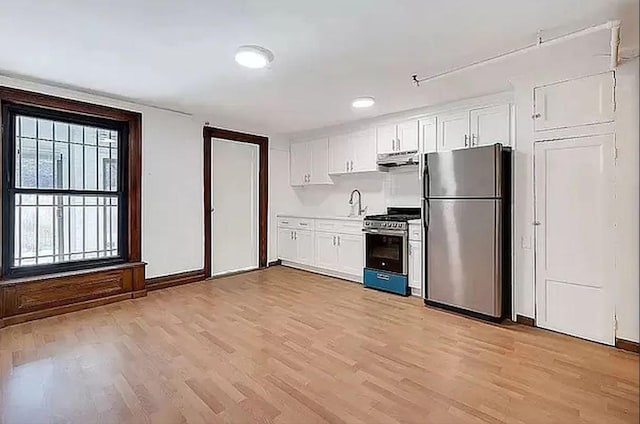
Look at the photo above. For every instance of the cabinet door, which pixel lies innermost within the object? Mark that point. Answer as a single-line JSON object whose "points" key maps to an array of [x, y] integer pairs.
{"points": [[350, 254], [319, 167], [453, 131], [286, 244], [363, 151], [415, 265], [408, 133], [304, 246], [386, 138], [582, 101], [428, 135], [299, 163], [326, 251], [490, 125], [339, 154]]}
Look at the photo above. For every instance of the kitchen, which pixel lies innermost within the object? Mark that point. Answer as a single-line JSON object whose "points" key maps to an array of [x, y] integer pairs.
{"points": [[325, 165]]}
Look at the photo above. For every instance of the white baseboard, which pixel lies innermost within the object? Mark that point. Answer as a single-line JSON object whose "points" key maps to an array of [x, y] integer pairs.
{"points": [[335, 274]]}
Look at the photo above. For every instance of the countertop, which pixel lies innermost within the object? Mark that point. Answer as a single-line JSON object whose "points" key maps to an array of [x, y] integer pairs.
{"points": [[308, 216]]}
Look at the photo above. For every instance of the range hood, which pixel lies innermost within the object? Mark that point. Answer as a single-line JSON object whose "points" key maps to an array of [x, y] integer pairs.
{"points": [[388, 161]]}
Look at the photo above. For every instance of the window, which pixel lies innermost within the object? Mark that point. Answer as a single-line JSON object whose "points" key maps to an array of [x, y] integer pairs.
{"points": [[64, 191]]}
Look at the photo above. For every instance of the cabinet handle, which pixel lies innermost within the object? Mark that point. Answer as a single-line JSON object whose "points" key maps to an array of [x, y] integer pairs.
{"points": [[338, 240], [474, 140], [295, 235], [393, 144], [536, 116], [399, 144], [466, 140], [334, 240], [346, 164], [351, 166], [304, 224], [290, 235]]}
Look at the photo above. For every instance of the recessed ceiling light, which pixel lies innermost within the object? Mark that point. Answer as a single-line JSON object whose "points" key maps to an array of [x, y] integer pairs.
{"points": [[362, 102], [254, 57]]}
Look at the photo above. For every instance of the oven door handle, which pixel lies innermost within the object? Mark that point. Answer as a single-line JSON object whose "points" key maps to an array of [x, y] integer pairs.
{"points": [[384, 232]]}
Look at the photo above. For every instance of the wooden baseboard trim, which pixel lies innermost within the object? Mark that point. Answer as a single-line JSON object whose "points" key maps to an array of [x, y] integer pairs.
{"points": [[274, 263], [177, 279], [627, 345], [139, 293], [17, 319], [529, 322]]}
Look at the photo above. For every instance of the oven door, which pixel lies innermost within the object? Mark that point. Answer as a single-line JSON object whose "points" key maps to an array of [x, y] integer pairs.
{"points": [[386, 250]]}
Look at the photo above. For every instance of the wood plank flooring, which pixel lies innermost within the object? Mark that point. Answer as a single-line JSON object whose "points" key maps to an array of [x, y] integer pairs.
{"points": [[286, 346]]}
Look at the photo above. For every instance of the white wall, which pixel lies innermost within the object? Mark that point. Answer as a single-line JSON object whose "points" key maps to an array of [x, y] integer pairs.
{"points": [[172, 182]]}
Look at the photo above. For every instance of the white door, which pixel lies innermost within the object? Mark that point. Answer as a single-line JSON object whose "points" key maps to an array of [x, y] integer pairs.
{"points": [[234, 197], [319, 157], [339, 154], [286, 244], [490, 125], [299, 163], [350, 254], [453, 131], [304, 246], [386, 138], [408, 133], [574, 245], [326, 251], [363, 145], [415, 266], [428, 135], [582, 101]]}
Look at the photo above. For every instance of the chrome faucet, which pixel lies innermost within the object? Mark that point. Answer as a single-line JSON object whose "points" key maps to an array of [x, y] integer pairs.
{"points": [[360, 210]]}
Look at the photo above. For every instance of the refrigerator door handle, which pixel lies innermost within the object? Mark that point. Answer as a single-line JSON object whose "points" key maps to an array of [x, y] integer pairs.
{"points": [[426, 213]]}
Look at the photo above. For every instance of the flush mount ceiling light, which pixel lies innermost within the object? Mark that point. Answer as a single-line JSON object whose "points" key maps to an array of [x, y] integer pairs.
{"points": [[362, 102], [254, 57]]}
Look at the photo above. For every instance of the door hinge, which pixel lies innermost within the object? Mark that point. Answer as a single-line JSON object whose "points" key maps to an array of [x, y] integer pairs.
{"points": [[615, 153], [615, 324]]}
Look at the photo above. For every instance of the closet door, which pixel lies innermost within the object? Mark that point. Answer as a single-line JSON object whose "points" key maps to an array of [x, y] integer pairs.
{"points": [[574, 243]]}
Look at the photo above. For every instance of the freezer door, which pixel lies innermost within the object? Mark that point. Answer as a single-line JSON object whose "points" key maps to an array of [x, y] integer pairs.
{"points": [[463, 257], [474, 173]]}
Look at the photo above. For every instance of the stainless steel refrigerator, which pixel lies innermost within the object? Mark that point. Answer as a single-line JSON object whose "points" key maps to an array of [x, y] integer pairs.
{"points": [[466, 219]]}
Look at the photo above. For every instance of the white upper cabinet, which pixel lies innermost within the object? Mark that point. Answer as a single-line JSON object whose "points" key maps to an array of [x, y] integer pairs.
{"points": [[339, 154], [578, 102], [453, 131], [490, 125], [428, 135], [353, 152], [399, 137], [299, 163], [364, 151], [386, 138], [309, 163], [408, 135]]}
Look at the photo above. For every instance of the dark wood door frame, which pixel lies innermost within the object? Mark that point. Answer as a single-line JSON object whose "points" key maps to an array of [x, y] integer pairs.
{"points": [[210, 133]]}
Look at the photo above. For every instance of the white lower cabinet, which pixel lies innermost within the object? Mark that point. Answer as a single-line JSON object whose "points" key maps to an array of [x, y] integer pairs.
{"points": [[304, 246], [339, 252], [295, 245], [326, 251], [415, 267], [350, 254], [286, 245]]}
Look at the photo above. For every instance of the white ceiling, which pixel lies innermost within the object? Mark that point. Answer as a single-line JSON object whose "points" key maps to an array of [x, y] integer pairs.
{"points": [[179, 54]]}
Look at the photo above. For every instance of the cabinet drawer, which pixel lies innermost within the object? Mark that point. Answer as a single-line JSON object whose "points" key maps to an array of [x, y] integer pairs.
{"points": [[415, 232], [339, 226], [295, 223]]}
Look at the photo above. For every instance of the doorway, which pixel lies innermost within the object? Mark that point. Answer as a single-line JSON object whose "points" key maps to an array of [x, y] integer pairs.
{"points": [[235, 174]]}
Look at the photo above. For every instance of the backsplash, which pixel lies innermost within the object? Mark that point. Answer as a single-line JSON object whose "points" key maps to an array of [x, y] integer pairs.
{"points": [[379, 190]]}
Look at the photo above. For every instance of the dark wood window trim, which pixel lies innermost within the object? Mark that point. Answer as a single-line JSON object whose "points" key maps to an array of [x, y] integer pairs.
{"points": [[130, 276], [263, 176]]}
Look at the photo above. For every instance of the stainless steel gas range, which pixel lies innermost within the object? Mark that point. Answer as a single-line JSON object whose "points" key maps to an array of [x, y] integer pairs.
{"points": [[386, 250]]}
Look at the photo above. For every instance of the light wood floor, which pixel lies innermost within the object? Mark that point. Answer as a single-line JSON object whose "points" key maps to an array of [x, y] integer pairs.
{"points": [[285, 346]]}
